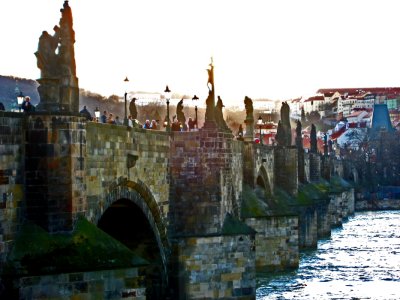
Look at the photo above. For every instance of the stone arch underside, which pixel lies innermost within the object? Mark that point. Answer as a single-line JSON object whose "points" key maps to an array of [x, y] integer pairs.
{"points": [[141, 196], [262, 182]]}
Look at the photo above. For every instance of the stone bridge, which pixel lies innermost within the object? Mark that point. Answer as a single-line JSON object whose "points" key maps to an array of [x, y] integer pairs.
{"points": [[205, 209]]}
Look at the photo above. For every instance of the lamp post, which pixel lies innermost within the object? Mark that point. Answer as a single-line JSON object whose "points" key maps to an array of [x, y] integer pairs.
{"points": [[20, 100], [97, 114], [195, 109], [167, 94], [126, 80], [260, 123]]}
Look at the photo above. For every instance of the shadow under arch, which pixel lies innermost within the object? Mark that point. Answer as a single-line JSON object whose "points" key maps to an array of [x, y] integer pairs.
{"points": [[132, 197], [263, 183]]}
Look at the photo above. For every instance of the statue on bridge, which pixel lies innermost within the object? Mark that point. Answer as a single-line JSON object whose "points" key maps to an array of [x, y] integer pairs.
{"points": [[299, 138], [313, 139], [180, 115], [219, 116], [210, 102], [59, 89], [46, 54], [132, 109], [285, 123], [249, 121]]}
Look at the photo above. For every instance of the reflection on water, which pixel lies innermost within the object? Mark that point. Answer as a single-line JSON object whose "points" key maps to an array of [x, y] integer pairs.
{"points": [[359, 261]]}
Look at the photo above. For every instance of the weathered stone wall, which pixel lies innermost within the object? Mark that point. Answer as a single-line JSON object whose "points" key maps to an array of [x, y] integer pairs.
{"points": [[377, 204], [264, 166], [221, 267], [285, 169], [338, 168], [115, 152], [323, 220], [55, 170], [314, 166], [12, 152], [276, 242], [308, 232], [206, 181], [335, 209], [108, 284]]}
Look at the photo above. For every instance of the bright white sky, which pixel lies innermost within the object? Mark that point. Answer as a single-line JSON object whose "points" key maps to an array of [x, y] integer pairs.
{"points": [[277, 49]]}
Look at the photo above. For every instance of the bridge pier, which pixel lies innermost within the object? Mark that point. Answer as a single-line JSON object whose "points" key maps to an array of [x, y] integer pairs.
{"points": [[54, 174]]}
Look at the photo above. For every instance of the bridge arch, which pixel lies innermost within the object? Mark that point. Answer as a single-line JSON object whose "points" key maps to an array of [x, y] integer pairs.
{"points": [[263, 183], [135, 197]]}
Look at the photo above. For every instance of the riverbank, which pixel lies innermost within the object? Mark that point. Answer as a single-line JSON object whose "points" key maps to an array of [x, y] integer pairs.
{"points": [[377, 204]]}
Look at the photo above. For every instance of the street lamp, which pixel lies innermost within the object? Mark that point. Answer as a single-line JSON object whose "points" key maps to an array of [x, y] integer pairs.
{"points": [[97, 114], [167, 94], [260, 123], [20, 100], [126, 81], [195, 109]]}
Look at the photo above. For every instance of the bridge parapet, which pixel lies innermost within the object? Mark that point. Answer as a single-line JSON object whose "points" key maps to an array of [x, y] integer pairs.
{"points": [[116, 152], [206, 181], [11, 178]]}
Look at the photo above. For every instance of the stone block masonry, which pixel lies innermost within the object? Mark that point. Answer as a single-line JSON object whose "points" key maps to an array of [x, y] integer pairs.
{"points": [[11, 179], [115, 152], [108, 284], [206, 181], [285, 169], [220, 267], [276, 242], [55, 153]]}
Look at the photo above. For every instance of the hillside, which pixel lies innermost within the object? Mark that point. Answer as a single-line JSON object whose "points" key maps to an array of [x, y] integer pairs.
{"points": [[155, 110], [7, 90]]}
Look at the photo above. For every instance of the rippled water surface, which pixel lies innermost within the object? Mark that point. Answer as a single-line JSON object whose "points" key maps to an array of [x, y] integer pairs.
{"points": [[359, 261]]}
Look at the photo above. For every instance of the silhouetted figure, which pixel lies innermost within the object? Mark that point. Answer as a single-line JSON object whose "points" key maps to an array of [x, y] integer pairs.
{"points": [[180, 115], [27, 105], [210, 102], [299, 138], [285, 122], [191, 124], [240, 133], [59, 88], [313, 139], [248, 105], [219, 116], [132, 108], [86, 113], [280, 135]]}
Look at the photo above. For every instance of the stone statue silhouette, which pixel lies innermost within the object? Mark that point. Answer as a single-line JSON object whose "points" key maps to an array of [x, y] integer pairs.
{"points": [[47, 58], [210, 71], [248, 105], [249, 121], [180, 115], [59, 89], [132, 109], [210, 102], [285, 119], [210, 107], [313, 139], [280, 137], [219, 116], [299, 139]]}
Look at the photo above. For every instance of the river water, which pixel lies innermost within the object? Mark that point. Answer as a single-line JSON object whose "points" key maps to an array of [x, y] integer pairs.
{"points": [[361, 260]]}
